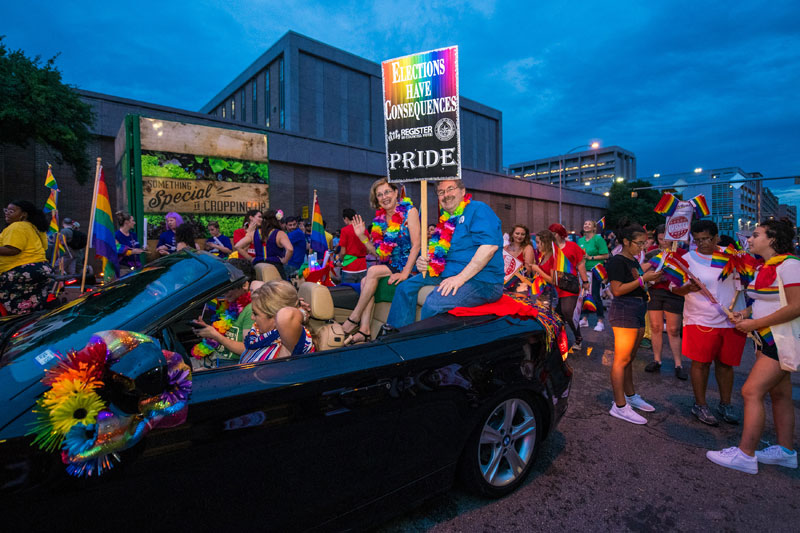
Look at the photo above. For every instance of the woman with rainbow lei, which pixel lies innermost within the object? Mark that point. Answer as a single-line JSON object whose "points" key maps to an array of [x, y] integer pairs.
{"points": [[233, 318], [395, 237]]}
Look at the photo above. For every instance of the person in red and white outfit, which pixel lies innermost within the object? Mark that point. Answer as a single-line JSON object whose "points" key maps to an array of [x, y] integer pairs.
{"points": [[708, 335], [772, 240]]}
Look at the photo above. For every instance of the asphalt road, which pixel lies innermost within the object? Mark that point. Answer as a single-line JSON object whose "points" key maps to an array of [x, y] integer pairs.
{"points": [[597, 473]]}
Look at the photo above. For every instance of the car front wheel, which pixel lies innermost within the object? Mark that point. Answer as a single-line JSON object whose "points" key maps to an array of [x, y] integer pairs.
{"points": [[501, 450]]}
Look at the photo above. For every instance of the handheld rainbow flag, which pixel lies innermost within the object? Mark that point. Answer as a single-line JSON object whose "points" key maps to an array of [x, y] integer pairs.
{"points": [[319, 243], [601, 224], [600, 270], [674, 271], [562, 263], [103, 241], [589, 305], [666, 205], [50, 180], [700, 206], [766, 336]]}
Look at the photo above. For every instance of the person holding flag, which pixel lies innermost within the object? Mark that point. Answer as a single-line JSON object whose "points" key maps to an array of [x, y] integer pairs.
{"points": [[664, 305], [596, 250], [24, 270], [776, 304], [708, 334], [626, 315], [569, 260]]}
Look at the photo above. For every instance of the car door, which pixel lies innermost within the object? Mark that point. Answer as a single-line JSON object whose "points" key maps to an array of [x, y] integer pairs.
{"points": [[300, 438], [447, 363]]}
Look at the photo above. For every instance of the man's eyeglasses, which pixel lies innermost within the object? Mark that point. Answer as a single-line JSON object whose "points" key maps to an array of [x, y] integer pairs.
{"points": [[448, 190], [704, 239]]}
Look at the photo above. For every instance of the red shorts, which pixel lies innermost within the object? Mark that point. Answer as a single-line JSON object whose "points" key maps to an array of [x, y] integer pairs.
{"points": [[705, 345]]}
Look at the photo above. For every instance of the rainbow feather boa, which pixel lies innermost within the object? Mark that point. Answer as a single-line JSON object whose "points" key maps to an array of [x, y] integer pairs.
{"points": [[439, 244], [385, 234], [226, 314]]}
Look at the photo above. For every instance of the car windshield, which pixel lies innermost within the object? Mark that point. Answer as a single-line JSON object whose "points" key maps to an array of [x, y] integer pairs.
{"points": [[111, 306]]}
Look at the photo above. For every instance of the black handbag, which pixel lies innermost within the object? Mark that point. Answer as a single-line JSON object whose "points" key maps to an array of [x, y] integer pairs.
{"points": [[568, 282]]}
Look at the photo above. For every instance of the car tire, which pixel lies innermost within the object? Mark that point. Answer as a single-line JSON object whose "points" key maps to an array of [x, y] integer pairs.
{"points": [[501, 450]]}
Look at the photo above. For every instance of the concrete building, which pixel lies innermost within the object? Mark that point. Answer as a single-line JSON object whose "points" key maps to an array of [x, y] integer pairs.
{"points": [[787, 211], [737, 201], [320, 108], [592, 170]]}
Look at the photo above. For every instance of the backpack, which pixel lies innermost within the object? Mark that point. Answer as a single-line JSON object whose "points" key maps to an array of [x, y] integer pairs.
{"points": [[78, 240]]}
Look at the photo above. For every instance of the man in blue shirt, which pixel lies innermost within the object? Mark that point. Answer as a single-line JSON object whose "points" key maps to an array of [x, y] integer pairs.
{"points": [[298, 239], [473, 267]]}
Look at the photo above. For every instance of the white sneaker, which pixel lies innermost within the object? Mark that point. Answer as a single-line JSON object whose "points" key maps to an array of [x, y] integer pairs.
{"points": [[637, 402], [734, 458], [599, 326], [584, 323], [627, 414], [775, 455]]}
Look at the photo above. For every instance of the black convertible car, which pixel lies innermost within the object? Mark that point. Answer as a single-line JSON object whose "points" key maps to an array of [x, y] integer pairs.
{"points": [[335, 439]]}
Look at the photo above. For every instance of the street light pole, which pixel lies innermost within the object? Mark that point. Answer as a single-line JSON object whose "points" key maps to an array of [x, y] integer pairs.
{"points": [[561, 162]]}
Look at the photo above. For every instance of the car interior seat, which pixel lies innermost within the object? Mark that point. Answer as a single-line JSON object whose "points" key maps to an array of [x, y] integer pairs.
{"points": [[327, 334], [266, 272], [380, 311]]}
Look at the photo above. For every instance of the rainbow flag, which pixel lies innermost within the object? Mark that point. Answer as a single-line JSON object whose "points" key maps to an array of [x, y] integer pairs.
{"points": [[50, 180], [719, 259], [103, 241], [538, 285], [700, 206], [589, 305], [766, 336], [563, 264], [600, 270], [674, 271], [601, 224], [319, 243], [667, 204]]}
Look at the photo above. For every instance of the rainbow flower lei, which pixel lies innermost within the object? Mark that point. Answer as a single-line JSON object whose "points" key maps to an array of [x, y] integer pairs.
{"points": [[226, 313], [384, 234], [439, 244]]}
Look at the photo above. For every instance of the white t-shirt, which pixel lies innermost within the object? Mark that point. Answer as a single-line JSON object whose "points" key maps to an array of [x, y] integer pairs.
{"points": [[697, 308], [767, 300]]}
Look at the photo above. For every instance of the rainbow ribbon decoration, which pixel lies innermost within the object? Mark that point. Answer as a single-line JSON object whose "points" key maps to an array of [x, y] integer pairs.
{"points": [[700, 205], [600, 270], [666, 205]]}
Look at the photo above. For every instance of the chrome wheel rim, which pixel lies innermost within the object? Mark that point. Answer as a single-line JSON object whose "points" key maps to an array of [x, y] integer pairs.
{"points": [[507, 442]]}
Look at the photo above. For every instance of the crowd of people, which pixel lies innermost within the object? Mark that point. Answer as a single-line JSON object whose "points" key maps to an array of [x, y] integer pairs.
{"points": [[707, 318]]}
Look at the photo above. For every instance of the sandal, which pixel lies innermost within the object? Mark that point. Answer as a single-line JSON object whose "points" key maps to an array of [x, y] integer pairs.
{"points": [[356, 324], [355, 339]]}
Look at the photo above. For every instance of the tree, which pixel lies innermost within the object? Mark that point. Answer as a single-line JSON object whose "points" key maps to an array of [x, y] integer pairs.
{"points": [[639, 209], [36, 106]]}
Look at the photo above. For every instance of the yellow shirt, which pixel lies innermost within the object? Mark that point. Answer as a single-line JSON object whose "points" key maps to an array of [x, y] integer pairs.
{"points": [[30, 242]]}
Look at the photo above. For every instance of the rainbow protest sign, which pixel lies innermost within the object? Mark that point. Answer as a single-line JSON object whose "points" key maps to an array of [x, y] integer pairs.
{"points": [[421, 116]]}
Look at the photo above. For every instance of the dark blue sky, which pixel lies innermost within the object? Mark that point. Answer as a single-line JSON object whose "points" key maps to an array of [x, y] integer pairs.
{"points": [[681, 84]]}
